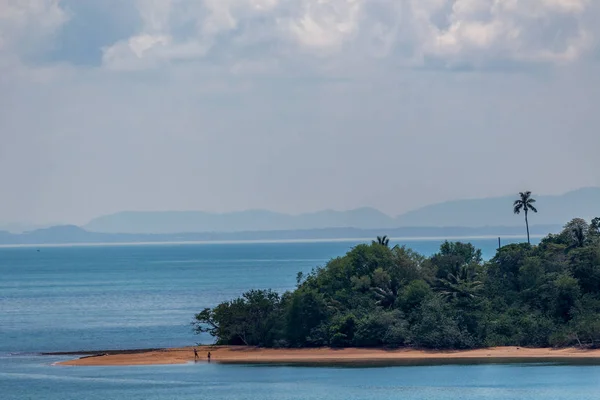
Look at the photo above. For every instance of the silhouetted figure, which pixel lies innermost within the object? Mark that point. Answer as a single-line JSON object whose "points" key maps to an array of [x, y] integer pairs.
{"points": [[208, 356], [196, 355]]}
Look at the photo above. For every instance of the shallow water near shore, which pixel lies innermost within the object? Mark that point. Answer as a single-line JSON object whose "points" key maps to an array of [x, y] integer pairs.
{"points": [[27, 378]]}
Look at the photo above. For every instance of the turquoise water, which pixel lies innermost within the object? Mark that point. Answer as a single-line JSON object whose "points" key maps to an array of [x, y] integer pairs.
{"points": [[75, 298]]}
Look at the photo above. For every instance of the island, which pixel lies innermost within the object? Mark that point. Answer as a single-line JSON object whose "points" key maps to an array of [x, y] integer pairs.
{"points": [[380, 303]]}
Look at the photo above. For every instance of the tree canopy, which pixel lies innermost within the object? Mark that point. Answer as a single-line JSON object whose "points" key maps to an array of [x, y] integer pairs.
{"points": [[544, 295]]}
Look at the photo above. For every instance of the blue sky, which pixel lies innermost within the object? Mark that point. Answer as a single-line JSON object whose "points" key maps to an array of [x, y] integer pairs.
{"points": [[292, 105]]}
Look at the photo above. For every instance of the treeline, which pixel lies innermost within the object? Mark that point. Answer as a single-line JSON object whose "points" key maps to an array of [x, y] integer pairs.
{"points": [[376, 296]]}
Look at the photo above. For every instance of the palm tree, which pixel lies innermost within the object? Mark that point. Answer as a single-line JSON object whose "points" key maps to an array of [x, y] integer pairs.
{"points": [[525, 203], [460, 284], [383, 240], [386, 295]]}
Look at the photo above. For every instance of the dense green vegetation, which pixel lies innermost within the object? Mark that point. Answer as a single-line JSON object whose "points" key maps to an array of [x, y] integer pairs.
{"points": [[544, 295]]}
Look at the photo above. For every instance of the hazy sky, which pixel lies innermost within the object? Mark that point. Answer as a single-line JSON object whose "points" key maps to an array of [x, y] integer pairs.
{"points": [[292, 105]]}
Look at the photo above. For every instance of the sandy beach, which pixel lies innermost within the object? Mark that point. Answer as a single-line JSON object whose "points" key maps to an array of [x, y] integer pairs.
{"points": [[251, 355]]}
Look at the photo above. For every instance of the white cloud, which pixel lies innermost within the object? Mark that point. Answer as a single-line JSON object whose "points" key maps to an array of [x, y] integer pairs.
{"points": [[27, 25], [135, 52], [325, 24], [409, 32], [525, 30], [162, 21]]}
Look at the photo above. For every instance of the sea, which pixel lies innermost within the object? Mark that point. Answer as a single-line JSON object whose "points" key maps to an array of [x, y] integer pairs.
{"points": [[75, 298]]}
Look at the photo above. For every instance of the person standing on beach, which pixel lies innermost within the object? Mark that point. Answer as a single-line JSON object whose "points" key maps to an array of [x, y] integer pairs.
{"points": [[196, 355], [208, 356]]}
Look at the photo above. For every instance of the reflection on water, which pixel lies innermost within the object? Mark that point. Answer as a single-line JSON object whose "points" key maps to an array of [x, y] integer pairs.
{"points": [[557, 361]]}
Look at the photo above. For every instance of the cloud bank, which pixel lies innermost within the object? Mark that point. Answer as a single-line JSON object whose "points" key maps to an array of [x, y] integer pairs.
{"points": [[413, 33]]}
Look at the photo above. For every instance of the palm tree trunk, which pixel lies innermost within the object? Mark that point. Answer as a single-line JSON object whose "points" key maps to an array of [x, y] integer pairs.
{"points": [[527, 225]]}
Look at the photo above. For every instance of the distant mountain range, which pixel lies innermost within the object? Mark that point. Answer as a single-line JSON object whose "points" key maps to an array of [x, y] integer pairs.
{"points": [[497, 211], [461, 218], [251, 220], [69, 234]]}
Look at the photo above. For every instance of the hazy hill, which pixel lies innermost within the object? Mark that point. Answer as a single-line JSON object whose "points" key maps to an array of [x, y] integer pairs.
{"points": [[74, 235], [15, 227], [554, 210], [497, 211], [252, 220]]}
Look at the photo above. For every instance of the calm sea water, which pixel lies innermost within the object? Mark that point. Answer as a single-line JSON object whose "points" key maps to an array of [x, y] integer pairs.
{"points": [[75, 298]]}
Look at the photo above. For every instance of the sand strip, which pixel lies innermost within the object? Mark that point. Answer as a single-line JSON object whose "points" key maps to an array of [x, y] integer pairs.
{"points": [[252, 355]]}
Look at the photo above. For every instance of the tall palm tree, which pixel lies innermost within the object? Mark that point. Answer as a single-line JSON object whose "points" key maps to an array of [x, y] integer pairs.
{"points": [[525, 203]]}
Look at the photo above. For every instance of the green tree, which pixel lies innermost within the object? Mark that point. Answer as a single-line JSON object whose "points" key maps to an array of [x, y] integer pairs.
{"points": [[305, 311], [525, 204], [525, 295], [585, 265], [381, 328], [579, 236], [249, 320], [461, 285], [384, 289], [437, 328], [576, 233], [453, 256], [565, 293], [341, 330], [413, 295], [595, 226]]}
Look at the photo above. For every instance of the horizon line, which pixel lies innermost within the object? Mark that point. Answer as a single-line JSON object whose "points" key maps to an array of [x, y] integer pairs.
{"points": [[265, 241]]}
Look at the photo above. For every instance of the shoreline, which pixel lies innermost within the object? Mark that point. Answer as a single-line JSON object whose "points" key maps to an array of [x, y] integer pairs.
{"points": [[323, 356]]}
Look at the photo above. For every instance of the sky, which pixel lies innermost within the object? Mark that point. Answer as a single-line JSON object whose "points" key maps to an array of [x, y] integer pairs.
{"points": [[292, 105]]}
